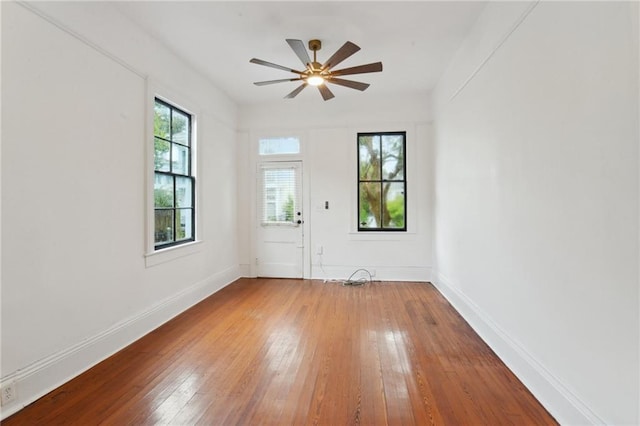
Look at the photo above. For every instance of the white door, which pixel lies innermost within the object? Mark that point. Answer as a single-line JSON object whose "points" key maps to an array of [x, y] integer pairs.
{"points": [[280, 218]]}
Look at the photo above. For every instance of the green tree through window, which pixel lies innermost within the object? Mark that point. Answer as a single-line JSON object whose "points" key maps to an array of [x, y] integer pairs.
{"points": [[174, 185], [382, 181]]}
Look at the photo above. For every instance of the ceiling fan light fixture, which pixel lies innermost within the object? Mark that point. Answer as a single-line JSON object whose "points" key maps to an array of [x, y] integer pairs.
{"points": [[315, 80]]}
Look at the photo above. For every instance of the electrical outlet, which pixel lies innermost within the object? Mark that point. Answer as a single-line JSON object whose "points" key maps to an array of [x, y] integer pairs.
{"points": [[8, 393], [319, 249]]}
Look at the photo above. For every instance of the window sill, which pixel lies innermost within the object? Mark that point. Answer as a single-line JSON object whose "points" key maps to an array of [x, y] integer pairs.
{"points": [[382, 236], [172, 253]]}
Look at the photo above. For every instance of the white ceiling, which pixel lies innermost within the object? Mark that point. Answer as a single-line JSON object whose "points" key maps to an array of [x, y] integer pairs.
{"points": [[414, 40]]}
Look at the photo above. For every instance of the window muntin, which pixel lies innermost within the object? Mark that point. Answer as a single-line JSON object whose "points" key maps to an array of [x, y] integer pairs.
{"points": [[382, 185], [174, 184]]}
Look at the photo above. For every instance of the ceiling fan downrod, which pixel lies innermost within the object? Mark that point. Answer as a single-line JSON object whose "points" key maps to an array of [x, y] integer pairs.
{"points": [[315, 45]]}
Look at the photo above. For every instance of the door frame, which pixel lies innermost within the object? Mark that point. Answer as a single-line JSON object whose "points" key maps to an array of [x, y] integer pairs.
{"points": [[254, 162]]}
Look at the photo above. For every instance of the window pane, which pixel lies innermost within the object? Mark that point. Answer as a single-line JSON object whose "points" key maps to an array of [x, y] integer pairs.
{"points": [[163, 190], [164, 226], [370, 205], [393, 208], [184, 194], [392, 157], [180, 128], [274, 146], [161, 121], [161, 156], [180, 160], [369, 152], [184, 226], [279, 195]]}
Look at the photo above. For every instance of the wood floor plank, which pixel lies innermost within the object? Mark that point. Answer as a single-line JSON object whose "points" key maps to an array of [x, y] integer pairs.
{"points": [[290, 352]]}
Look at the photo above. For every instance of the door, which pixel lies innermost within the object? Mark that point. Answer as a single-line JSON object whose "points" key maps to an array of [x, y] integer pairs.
{"points": [[280, 219]]}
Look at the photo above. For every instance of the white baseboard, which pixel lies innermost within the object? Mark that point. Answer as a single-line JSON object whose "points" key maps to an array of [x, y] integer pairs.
{"points": [[565, 406], [396, 273], [245, 270], [40, 378]]}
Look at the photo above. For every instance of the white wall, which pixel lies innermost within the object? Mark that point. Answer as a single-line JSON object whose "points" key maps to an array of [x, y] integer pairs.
{"points": [[328, 131], [536, 199], [76, 285], [536, 206]]}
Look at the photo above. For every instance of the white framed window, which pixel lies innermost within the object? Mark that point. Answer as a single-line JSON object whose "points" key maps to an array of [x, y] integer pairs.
{"points": [[288, 145], [280, 184]]}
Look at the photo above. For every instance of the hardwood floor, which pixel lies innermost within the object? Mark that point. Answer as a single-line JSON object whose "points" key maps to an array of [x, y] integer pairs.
{"points": [[293, 352]]}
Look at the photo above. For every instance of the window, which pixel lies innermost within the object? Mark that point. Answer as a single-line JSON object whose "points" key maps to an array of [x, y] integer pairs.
{"points": [[174, 184], [382, 184], [279, 146], [280, 193]]}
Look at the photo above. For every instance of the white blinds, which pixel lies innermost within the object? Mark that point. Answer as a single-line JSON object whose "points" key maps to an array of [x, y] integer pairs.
{"points": [[280, 194]]}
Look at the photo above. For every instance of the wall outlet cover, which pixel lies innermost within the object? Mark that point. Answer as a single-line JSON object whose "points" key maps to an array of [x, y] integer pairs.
{"points": [[8, 393]]}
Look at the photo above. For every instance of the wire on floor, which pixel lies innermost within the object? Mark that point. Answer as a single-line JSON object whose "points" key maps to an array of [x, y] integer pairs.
{"points": [[360, 281], [349, 281]]}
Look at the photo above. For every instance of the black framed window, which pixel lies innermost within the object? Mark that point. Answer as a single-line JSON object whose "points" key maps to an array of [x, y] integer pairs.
{"points": [[382, 182], [174, 185]]}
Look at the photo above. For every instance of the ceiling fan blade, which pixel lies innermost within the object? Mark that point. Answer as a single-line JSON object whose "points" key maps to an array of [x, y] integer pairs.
{"points": [[349, 83], [272, 65], [325, 92], [264, 83], [296, 91], [360, 69], [341, 54], [300, 50]]}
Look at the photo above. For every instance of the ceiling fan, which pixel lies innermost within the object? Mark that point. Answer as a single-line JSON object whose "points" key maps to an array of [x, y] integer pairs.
{"points": [[316, 74]]}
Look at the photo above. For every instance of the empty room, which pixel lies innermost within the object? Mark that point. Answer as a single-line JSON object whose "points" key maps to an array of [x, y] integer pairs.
{"points": [[301, 212]]}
